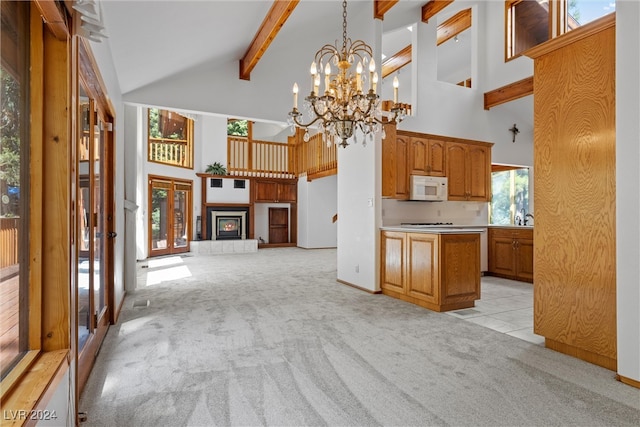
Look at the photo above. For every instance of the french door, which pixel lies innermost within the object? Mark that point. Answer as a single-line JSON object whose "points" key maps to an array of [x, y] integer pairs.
{"points": [[169, 215], [94, 229]]}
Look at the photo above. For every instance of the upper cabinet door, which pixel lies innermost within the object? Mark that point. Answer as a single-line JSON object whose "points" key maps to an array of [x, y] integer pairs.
{"points": [[436, 157], [479, 163], [418, 154], [427, 157], [457, 171]]}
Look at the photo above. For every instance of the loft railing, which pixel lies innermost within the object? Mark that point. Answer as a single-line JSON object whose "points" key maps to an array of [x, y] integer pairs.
{"points": [[247, 157], [313, 159], [8, 242], [170, 151]]}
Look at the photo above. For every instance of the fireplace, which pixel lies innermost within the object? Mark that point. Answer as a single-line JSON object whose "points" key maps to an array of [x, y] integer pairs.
{"points": [[227, 223]]}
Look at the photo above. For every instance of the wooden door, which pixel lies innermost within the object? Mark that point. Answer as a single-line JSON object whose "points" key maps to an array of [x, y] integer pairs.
{"points": [[265, 191], [423, 275], [418, 157], [401, 173], [278, 225], [436, 164], [94, 228], [479, 173], [524, 259], [457, 171], [392, 262], [287, 192]]}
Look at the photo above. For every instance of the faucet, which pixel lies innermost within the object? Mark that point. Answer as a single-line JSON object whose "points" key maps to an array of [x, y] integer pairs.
{"points": [[527, 216]]}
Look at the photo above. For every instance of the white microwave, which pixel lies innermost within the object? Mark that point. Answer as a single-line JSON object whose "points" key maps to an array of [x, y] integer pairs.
{"points": [[430, 188]]}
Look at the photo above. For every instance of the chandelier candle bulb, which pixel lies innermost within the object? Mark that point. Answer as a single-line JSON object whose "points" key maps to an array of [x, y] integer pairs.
{"points": [[327, 75], [396, 83], [359, 77], [316, 84], [372, 69], [314, 71], [295, 95], [374, 80]]}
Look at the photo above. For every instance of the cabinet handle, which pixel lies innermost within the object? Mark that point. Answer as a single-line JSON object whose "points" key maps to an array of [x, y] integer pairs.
{"points": [[513, 245]]}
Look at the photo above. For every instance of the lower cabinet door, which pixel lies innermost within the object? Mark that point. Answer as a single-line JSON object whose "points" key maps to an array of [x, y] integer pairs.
{"points": [[422, 267], [392, 249]]}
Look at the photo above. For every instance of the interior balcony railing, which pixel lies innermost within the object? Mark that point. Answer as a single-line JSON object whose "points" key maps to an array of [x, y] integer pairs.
{"points": [[173, 152], [249, 157], [8, 242]]}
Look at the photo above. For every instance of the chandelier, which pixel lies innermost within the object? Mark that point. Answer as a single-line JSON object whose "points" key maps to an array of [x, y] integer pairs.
{"points": [[344, 105]]}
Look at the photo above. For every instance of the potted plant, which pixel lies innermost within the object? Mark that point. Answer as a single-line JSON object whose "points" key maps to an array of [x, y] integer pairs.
{"points": [[216, 169]]}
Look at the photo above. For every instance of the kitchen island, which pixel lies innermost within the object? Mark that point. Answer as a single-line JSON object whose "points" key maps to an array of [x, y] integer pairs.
{"points": [[436, 268]]}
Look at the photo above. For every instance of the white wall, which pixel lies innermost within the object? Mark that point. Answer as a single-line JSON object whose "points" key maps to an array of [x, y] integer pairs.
{"points": [[627, 187], [317, 204]]}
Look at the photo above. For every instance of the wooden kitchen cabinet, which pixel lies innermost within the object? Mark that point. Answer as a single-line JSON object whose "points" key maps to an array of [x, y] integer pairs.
{"points": [[440, 272], [274, 190], [469, 171], [427, 157], [511, 253], [395, 177]]}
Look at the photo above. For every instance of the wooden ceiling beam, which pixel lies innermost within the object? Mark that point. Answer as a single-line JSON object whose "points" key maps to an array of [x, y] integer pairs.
{"points": [[271, 25], [431, 9], [397, 61], [508, 93], [454, 26], [380, 7]]}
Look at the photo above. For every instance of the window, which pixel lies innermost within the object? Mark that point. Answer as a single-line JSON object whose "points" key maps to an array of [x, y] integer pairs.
{"points": [[527, 24], [510, 195], [531, 22], [14, 184], [237, 127], [170, 138]]}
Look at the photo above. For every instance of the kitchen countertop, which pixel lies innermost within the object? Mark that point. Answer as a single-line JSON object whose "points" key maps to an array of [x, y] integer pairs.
{"points": [[436, 229]]}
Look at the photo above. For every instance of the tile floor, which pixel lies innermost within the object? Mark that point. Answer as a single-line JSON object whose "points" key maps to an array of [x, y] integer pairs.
{"points": [[505, 306]]}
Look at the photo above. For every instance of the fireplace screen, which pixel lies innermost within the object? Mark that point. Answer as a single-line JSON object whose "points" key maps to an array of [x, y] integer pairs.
{"points": [[229, 225]]}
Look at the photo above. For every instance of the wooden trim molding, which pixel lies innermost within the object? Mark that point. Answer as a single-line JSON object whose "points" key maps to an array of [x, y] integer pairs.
{"points": [[508, 92], [358, 287], [271, 25], [573, 36], [380, 7], [431, 9], [54, 17], [397, 61], [454, 26], [628, 381]]}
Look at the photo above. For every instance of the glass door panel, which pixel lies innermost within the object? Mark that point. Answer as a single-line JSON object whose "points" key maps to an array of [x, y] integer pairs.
{"points": [[159, 220], [84, 220], [181, 218], [99, 225]]}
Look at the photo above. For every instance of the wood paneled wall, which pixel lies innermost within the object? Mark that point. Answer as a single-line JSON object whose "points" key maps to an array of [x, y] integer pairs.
{"points": [[574, 160]]}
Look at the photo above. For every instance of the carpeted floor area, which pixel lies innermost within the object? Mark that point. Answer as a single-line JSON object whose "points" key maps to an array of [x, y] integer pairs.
{"points": [[270, 338]]}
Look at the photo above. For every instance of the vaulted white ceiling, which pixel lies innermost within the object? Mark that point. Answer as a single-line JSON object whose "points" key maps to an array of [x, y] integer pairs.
{"points": [[151, 40]]}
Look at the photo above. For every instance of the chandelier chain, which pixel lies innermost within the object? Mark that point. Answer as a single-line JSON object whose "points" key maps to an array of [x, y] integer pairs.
{"points": [[344, 26], [343, 105]]}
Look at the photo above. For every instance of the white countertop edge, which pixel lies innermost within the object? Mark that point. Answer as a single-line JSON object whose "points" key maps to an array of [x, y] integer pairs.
{"points": [[435, 230]]}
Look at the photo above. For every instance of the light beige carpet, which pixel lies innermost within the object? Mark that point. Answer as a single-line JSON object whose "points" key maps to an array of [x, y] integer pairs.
{"points": [[271, 339]]}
